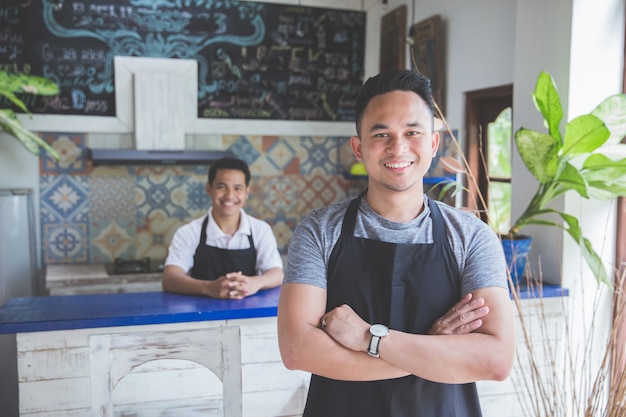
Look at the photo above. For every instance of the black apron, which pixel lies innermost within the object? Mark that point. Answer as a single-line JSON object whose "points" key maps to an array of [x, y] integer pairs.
{"points": [[404, 286], [210, 262]]}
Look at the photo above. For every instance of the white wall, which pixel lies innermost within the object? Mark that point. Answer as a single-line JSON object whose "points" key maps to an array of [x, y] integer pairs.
{"points": [[478, 46], [596, 68], [540, 44]]}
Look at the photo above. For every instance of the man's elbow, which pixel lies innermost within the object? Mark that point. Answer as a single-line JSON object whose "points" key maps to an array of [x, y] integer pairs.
{"points": [[291, 355], [166, 283], [289, 358], [502, 364]]}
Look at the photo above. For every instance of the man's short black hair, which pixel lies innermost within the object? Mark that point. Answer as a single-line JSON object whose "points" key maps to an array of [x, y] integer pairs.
{"points": [[229, 163], [394, 80]]}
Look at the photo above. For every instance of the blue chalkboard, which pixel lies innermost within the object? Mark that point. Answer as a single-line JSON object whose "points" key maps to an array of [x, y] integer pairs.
{"points": [[255, 60]]}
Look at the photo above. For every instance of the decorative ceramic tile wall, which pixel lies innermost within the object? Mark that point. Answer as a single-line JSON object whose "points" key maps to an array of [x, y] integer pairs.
{"points": [[96, 214]]}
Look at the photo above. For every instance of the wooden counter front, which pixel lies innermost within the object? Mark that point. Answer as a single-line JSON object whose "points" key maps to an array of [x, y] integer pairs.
{"points": [[62, 369]]}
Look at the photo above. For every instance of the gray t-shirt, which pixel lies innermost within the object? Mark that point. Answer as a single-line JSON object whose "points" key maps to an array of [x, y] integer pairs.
{"points": [[476, 247]]}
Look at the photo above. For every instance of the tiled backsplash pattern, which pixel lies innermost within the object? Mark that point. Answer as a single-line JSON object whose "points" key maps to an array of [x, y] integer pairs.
{"points": [[95, 214]]}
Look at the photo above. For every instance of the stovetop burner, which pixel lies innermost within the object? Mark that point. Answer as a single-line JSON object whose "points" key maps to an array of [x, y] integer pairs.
{"points": [[135, 266]]}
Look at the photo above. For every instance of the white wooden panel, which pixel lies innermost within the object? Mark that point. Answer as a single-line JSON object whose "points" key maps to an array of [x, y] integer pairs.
{"points": [[501, 405], [79, 412], [160, 110], [54, 394], [44, 341], [281, 403], [158, 97], [270, 377], [203, 141], [168, 379], [54, 364], [73, 124], [114, 356], [110, 141], [258, 325], [182, 408]]}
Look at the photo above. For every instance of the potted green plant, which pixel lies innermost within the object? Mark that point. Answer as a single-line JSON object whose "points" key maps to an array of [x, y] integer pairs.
{"points": [[572, 161], [12, 84]]}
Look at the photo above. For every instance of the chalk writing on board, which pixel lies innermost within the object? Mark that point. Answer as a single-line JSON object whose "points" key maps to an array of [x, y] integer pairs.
{"points": [[255, 60]]}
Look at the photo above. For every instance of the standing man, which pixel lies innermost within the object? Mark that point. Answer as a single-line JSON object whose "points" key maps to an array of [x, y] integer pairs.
{"points": [[227, 253], [367, 280]]}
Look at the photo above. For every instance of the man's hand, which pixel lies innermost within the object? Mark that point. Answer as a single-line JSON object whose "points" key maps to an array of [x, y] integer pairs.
{"points": [[235, 286], [464, 317], [351, 331], [346, 327]]}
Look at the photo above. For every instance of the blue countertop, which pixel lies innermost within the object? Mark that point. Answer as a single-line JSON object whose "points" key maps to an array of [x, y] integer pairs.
{"points": [[37, 314], [40, 314]]}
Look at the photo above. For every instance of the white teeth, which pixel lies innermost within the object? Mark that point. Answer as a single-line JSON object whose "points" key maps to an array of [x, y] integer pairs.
{"points": [[398, 165]]}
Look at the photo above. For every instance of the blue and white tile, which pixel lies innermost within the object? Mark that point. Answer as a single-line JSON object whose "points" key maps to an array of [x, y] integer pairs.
{"points": [[320, 156], [65, 243], [244, 148], [154, 191], [112, 194], [110, 239], [64, 197], [71, 150]]}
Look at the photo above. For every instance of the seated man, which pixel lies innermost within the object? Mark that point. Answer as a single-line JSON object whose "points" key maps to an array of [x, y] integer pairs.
{"points": [[227, 253]]}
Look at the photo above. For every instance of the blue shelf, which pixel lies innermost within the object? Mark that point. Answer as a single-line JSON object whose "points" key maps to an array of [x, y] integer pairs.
{"points": [[427, 180], [437, 180], [541, 291]]}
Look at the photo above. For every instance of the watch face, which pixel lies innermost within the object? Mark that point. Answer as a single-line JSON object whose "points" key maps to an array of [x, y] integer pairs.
{"points": [[379, 330]]}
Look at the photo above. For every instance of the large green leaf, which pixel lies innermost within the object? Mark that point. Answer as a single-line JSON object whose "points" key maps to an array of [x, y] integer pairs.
{"points": [[612, 111], [10, 123], [584, 134], [31, 84], [600, 161], [606, 177], [15, 100], [10, 84], [539, 152], [548, 102], [571, 179], [590, 255], [603, 191]]}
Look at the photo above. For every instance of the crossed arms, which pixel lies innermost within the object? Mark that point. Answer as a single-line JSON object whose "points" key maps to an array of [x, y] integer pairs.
{"points": [[468, 344]]}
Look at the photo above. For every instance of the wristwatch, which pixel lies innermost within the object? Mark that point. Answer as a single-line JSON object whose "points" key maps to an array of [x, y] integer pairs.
{"points": [[378, 331]]}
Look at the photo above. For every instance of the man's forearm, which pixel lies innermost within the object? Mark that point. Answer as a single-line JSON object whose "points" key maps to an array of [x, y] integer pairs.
{"points": [[271, 278]]}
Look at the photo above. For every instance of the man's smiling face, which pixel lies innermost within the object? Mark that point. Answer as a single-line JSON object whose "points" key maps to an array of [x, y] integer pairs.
{"points": [[397, 141], [228, 192]]}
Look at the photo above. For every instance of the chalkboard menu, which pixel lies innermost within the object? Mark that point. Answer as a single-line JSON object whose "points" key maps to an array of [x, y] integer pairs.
{"points": [[255, 60]]}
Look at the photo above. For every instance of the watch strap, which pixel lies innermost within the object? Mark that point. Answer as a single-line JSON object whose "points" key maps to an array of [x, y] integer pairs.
{"points": [[372, 349]]}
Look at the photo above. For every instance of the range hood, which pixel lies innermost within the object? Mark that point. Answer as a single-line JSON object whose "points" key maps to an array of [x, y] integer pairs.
{"points": [[153, 157]]}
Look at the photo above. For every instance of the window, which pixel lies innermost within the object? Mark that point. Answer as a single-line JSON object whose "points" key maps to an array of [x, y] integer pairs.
{"points": [[488, 152], [499, 134]]}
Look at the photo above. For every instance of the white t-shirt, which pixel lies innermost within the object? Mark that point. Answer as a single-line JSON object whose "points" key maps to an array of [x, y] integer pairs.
{"points": [[187, 237]]}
